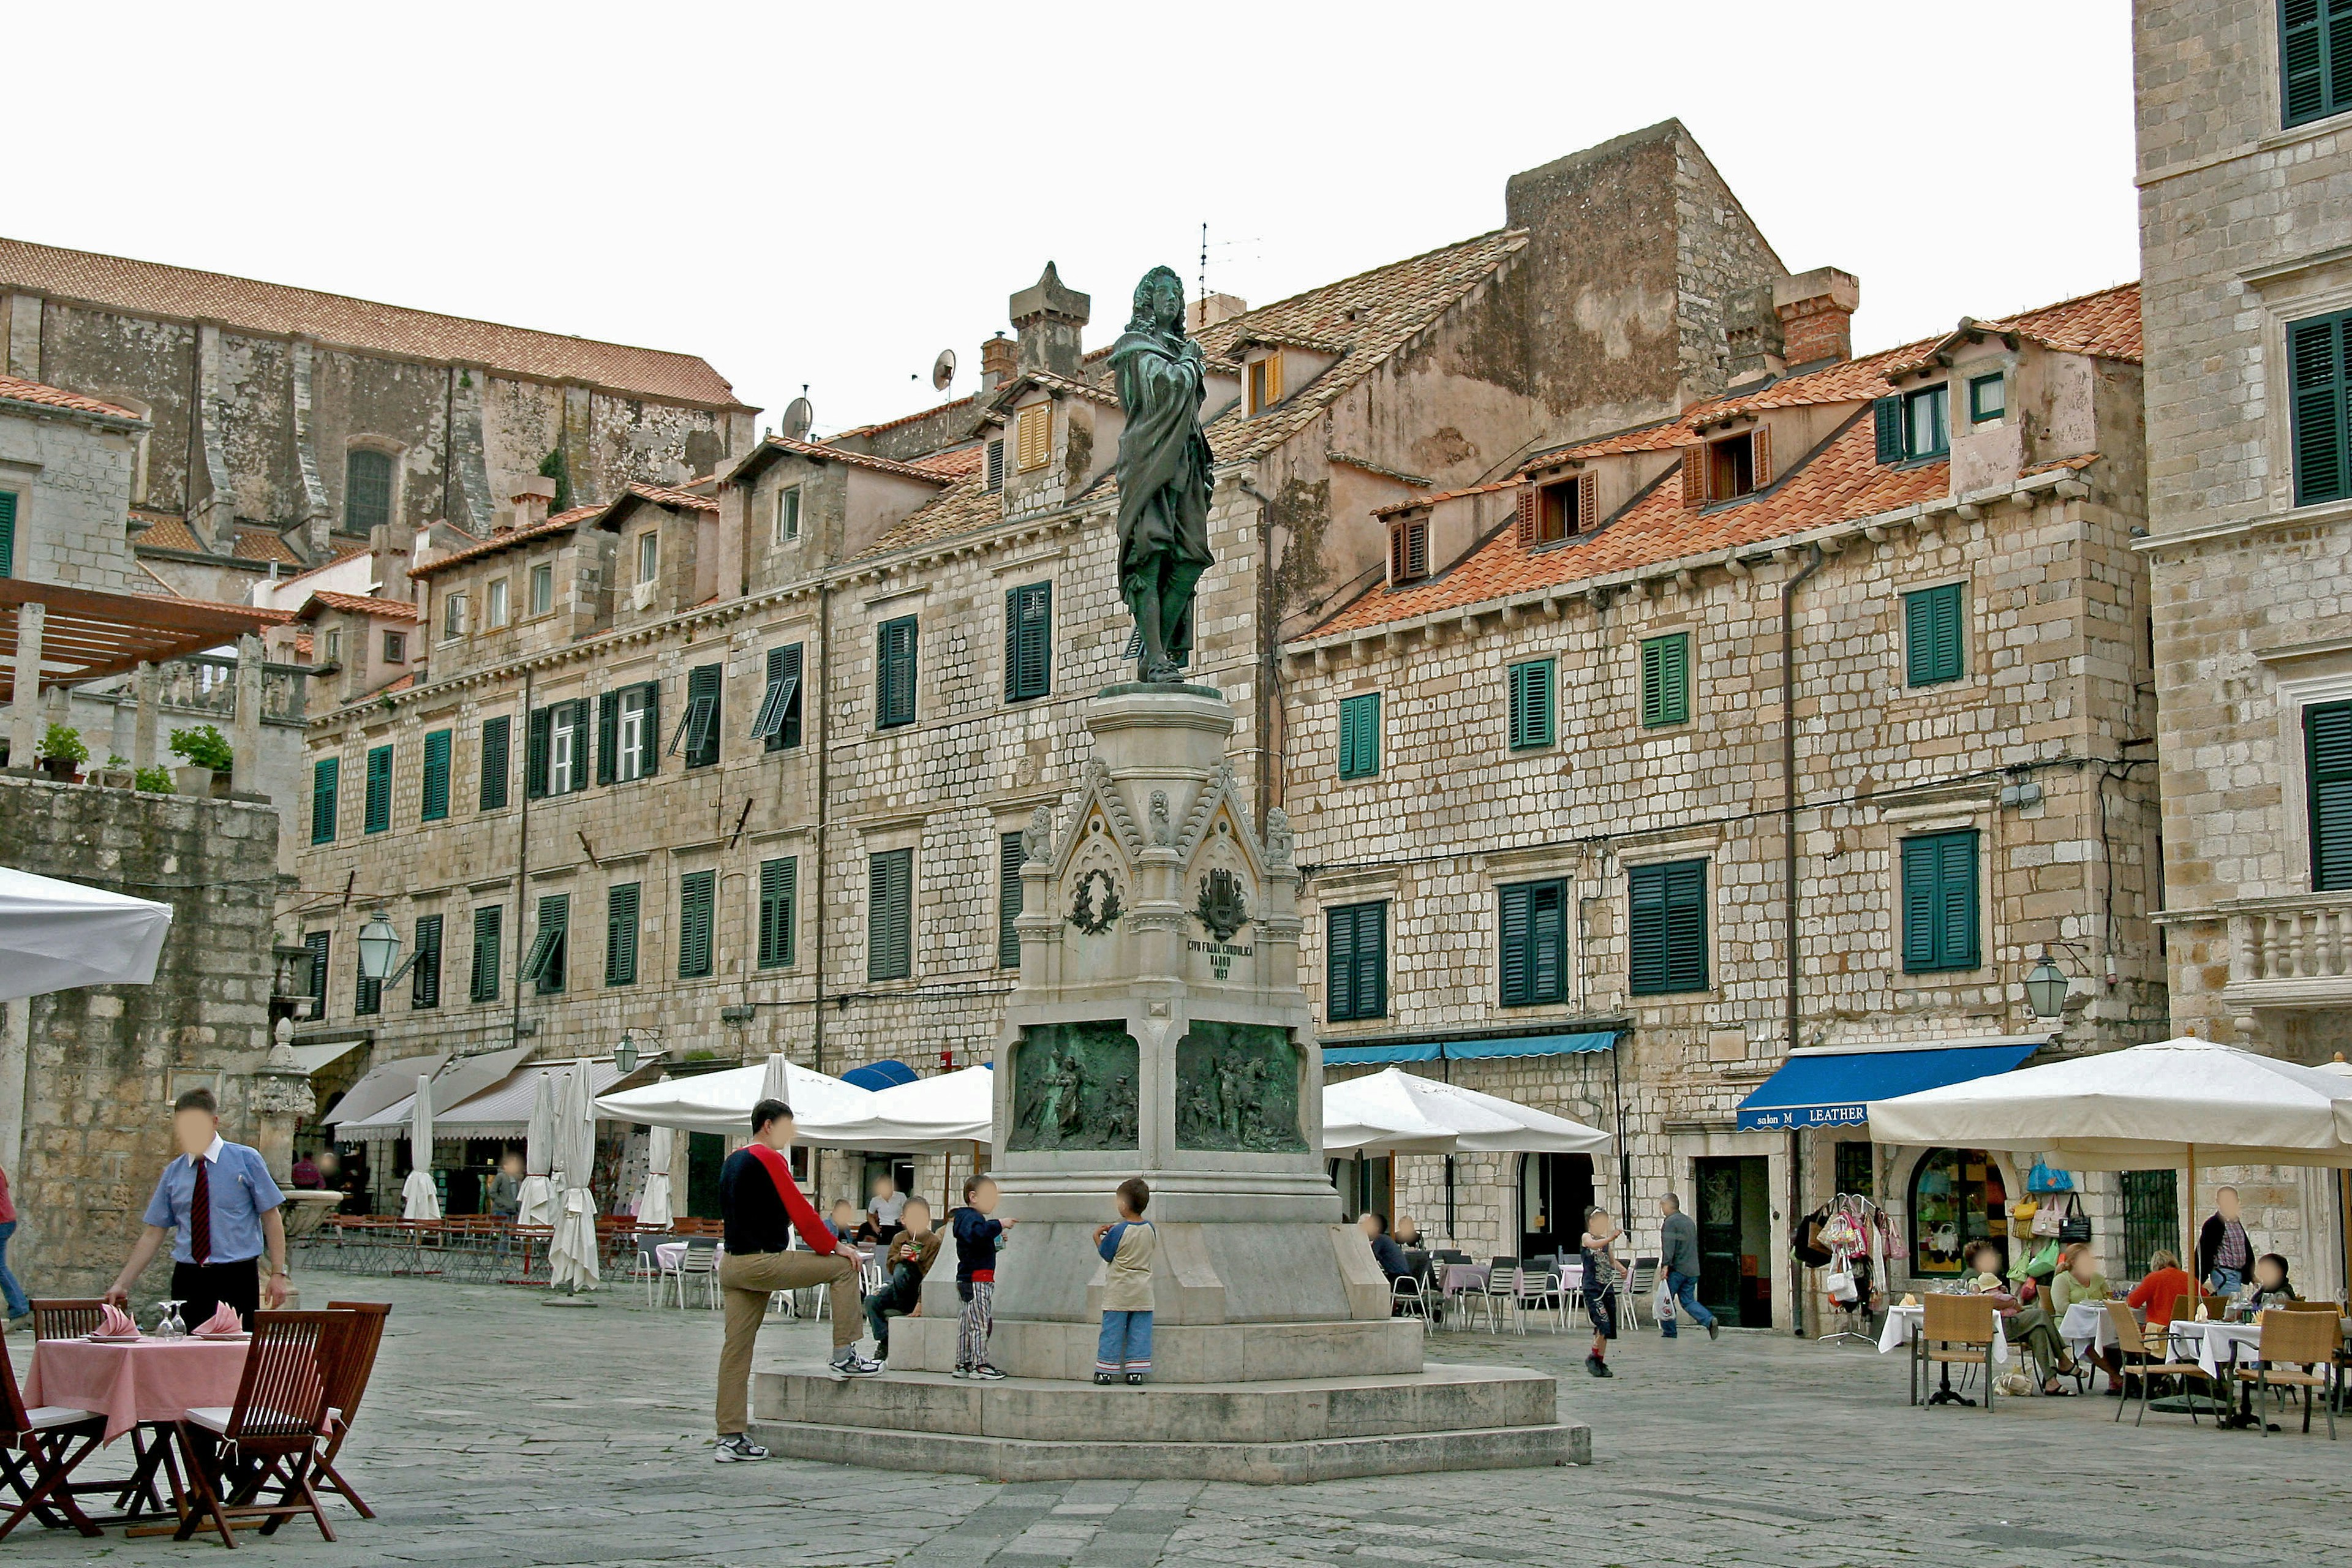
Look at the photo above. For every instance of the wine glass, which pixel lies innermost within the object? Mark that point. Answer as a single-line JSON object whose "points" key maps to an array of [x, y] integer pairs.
{"points": [[171, 1327]]}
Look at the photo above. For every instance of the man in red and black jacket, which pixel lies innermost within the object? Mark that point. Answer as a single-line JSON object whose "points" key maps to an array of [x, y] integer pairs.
{"points": [[762, 1206]]}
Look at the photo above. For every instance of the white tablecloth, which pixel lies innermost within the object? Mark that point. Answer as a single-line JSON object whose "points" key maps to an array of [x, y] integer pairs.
{"points": [[668, 1254], [2087, 1323], [1902, 1324], [2217, 1344]]}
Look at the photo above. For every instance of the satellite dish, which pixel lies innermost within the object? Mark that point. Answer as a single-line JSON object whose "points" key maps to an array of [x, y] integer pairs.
{"points": [[943, 369], [798, 417]]}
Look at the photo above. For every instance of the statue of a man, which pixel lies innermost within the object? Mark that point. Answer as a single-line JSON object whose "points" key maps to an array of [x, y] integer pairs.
{"points": [[1163, 474]]}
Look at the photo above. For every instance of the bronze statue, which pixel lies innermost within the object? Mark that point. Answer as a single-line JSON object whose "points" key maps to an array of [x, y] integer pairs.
{"points": [[1163, 474]]}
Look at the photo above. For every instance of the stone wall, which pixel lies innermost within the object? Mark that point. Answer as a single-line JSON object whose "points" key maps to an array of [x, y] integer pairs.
{"points": [[70, 474], [89, 1128]]}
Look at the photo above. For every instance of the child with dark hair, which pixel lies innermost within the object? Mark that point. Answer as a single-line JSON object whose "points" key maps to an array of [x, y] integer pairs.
{"points": [[2271, 1287], [1128, 1245], [979, 1237], [1598, 1246]]}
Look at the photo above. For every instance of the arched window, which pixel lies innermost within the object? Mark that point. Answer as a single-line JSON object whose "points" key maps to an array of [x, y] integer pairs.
{"points": [[1957, 1198], [367, 489], [1554, 1192]]}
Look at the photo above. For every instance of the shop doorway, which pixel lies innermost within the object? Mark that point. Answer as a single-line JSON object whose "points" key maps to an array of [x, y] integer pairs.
{"points": [[1365, 1186], [1554, 1192], [705, 1153], [1735, 1239], [1957, 1198]]}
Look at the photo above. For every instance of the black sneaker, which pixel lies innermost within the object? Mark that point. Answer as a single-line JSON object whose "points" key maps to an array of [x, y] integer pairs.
{"points": [[1595, 1365], [738, 1449], [1601, 1369], [1135, 1380], [985, 1373], [849, 1363], [1714, 1331], [1105, 1378]]}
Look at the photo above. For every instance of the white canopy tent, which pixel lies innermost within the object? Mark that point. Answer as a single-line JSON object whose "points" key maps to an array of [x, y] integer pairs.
{"points": [[946, 1113], [419, 1199], [57, 935], [722, 1102], [1398, 1112], [571, 1252]]}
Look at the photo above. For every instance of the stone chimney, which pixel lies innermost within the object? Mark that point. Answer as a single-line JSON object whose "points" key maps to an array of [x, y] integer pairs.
{"points": [[1816, 310], [1046, 320], [1212, 307], [998, 363], [532, 498], [391, 546]]}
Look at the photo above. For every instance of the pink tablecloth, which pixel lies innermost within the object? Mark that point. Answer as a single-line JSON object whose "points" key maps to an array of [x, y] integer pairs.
{"points": [[154, 1380]]}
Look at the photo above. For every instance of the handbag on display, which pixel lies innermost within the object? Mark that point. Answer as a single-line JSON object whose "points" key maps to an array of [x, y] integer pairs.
{"points": [[1838, 1285], [2077, 1225], [2042, 1179]]}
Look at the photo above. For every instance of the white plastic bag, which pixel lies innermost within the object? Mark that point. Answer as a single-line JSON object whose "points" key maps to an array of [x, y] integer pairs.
{"points": [[1662, 1305]]}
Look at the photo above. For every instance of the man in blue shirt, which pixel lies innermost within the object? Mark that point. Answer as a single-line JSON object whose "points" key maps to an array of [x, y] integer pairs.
{"points": [[217, 1200]]}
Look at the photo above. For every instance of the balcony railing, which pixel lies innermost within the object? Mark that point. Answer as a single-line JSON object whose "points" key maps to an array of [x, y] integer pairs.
{"points": [[2291, 952], [207, 683]]}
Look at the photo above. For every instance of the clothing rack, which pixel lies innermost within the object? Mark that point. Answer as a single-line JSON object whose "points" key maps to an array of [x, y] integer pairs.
{"points": [[1866, 1262]]}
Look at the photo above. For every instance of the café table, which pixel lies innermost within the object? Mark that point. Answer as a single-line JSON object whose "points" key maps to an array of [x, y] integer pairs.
{"points": [[2087, 1327], [2219, 1347], [1902, 1329], [142, 1388]]}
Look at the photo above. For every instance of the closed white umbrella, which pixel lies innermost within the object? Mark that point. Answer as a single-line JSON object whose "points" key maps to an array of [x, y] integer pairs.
{"points": [[722, 1102], [536, 1203], [652, 1205], [419, 1199], [1398, 1112], [55, 935], [571, 1252]]}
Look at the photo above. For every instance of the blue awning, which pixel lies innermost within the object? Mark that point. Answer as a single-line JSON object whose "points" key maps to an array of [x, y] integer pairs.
{"points": [[1470, 1050], [880, 1074], [1832, 1087]]}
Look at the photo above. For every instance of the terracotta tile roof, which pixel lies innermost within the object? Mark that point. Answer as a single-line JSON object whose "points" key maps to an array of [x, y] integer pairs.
{"points": [[955, 462], [151, 288], [667, 495], [356, 604], [904, 419], [830, 454], [1045, 378], [559, 523], [255, 541], [964, 506], [167, 533], [12, 390]]}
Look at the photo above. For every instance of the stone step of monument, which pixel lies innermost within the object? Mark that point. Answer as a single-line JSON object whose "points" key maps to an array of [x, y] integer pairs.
{"points": [[1439, 1399], [1180, 1353]]}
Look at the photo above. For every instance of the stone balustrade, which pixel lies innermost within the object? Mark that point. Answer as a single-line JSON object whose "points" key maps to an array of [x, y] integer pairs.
{"points": [[2290, 951]]}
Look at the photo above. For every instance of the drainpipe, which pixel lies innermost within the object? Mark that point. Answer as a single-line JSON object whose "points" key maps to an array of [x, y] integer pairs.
{"points": [[1789, 955], [824, 805], [522, 863]]}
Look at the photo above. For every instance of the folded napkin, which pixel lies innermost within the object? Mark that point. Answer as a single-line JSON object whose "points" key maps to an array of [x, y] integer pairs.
{"points": [[223, 1321], [112, 1320]]}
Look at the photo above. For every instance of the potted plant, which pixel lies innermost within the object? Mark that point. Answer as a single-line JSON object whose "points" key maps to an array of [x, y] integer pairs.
{"points": [[208, 754], [62, 753], [116, 775], [154, 781]]}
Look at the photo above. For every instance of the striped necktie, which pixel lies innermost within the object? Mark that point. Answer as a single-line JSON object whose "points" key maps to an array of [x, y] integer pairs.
{"points": [[200, 1216]]}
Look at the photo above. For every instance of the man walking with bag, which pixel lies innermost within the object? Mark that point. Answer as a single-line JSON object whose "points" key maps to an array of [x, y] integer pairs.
{"points": [[1678, 1256]]}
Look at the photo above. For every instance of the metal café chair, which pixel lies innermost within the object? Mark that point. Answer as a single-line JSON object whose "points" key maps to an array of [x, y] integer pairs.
{"points": [[1956, 1331], [2298, 1350], [1502, 1289], [2137, 1360], [1539, 1291], [1642, 1279], [699, 1262]]}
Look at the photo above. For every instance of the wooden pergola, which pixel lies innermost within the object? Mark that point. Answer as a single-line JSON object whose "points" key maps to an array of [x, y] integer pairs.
{"points": [[79, 634]]}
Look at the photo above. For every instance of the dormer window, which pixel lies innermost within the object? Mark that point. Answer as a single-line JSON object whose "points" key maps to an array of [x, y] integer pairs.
{"points": [[1727, 467], [788, 514], [1913, 426], [333, 649], [453, 619], [1408, 550], [648, 555], [494, 605], [1563, 507], [1265, 383], [1033, 436], [395, 648], [1988, 397]]}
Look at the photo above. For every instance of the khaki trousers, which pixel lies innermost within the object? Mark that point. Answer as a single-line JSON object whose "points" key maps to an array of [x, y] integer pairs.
{"points": [[748, 1281]]}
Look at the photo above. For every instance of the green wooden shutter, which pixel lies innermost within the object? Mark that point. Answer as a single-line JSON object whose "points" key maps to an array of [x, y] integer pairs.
{"points": [[318, 942], [697, 893], [778, 885], [608, 737], [889, 915], [1010, 855], [2327, 765], [485, 987], [424, 975], [534, 754], [1356, 966], [324, 775], [8, 533], [1531, 705], [1028, 641], [379, 789], [1548, 943], [778, 722], [1888, 415], [894, 673], [702, 698], [1957, 900], [1666, 927], [1359, 735], [1514, 961], [1372, 961], [2315, 59], [649, 755], [1339, 963], [1686, 925], [1932, 621], [496, 740], [1920, 864], [1665, 680], [621, 934], [788, 732], [436, 805], [2316, 365], [545, 962], [367, 996]]}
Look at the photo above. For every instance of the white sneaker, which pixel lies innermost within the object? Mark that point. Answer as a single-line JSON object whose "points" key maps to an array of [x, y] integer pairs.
{"points": [[849, 1363], [738, 1449]]}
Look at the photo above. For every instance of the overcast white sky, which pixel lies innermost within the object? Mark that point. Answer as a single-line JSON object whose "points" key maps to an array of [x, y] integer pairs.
{"points": [[832, 195]]}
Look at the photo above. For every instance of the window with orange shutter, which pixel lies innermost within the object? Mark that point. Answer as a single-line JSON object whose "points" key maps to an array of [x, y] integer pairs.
{"points": [[1034, 436], [1265, 382], [1408, 550]]}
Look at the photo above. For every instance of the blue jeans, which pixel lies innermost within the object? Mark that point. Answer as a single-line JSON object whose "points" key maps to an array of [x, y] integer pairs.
{"points": [[9, 1288], [2228, 1281], [1684, 1288], [1126, 1343]]}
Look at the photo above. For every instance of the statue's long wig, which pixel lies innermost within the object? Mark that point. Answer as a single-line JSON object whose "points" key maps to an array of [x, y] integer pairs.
{"points": [[1140, 320]]}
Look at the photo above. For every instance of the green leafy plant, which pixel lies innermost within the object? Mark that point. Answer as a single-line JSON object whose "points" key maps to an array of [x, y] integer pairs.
{"points": [[205, 747], [554, 467], [117, 760], [155, 781], [63, 743]]}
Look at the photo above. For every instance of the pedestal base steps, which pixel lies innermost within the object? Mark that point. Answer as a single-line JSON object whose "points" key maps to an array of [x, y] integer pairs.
{"points": [[1275, 1433], [1180, 1353]]}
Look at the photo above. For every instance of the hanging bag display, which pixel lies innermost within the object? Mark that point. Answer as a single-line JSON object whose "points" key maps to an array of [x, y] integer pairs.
{"points": [[2077, 1225], [2044, 1179], [2047, 1219]]}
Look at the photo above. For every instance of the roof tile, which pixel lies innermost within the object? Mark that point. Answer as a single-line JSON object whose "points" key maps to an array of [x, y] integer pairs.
{"points": [[16, 391]]}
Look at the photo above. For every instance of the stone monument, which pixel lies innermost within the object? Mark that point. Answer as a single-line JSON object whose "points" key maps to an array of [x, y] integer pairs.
{"points": [[1158, 1028]]}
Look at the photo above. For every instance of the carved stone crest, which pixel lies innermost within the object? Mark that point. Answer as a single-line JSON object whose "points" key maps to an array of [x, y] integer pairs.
{"points": [[1222, 909], [1163, 835], [1089, 917]]}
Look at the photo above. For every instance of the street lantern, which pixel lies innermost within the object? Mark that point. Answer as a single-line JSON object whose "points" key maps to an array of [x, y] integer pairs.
{"points": [[379, 948], [2045, 988], [625, 1056]]}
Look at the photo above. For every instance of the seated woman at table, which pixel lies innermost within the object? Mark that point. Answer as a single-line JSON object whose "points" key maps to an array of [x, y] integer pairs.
{"points": [[2165, 1283], [2271, 1287], [1981, 1277], [2079, 1281], [2033, 1324]]}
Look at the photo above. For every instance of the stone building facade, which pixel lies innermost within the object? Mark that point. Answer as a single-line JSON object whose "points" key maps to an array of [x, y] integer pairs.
{"points": [[1541, 798], [2245, 147]]}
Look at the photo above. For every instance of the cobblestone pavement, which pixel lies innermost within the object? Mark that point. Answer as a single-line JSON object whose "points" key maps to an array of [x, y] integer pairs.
{"points": [[502, 1431]]}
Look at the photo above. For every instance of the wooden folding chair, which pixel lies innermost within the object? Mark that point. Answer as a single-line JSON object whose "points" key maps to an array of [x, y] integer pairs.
{"points": [[2134, 1359], [1958, 1330], [273, 1430], [66, 1317], [38, 1450], [2298, 1350], [347, 1381]]}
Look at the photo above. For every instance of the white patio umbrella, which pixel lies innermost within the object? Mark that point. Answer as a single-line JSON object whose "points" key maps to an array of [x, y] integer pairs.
{"points": [[652, 1205], [941, 1113], [722, 1102], [536, 1203], [56, 935], [419, 1199], [1398, 1112], [571, 1252]]}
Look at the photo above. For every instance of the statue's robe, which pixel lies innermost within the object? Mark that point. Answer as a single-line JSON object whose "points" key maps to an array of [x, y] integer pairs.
{"points": [[1164, 478]]}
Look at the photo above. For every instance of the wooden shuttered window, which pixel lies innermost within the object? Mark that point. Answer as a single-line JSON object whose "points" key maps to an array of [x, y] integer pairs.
{"points": [[1760, 447], [1359, 735], [486, 921], [2319, 373], [1887, 417], [608, 736], [1028, 641], [2315, 59], [778, 896], [325, 777], [1666, 927], [1531, 705], [1033, 435], [534, 753], [8, 533], [1934, 626], [367, 996], [547, 962], [697, 897], [996, 465], [1356, 962], [436, 792], [1524, 526], [1665, 680], [777, 724], [894, 672], [320, 942], [1010, 855], [1940, 901], [1696, 462], [1532, 962], [698, 727], [890, 914], [1408, 550], [425, 973], [621, 934], [497, 744], [379, 789], [2327, 766]]}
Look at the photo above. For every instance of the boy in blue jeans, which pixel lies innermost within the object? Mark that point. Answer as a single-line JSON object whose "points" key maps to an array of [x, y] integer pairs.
{"points": [[1128, 1246]]}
